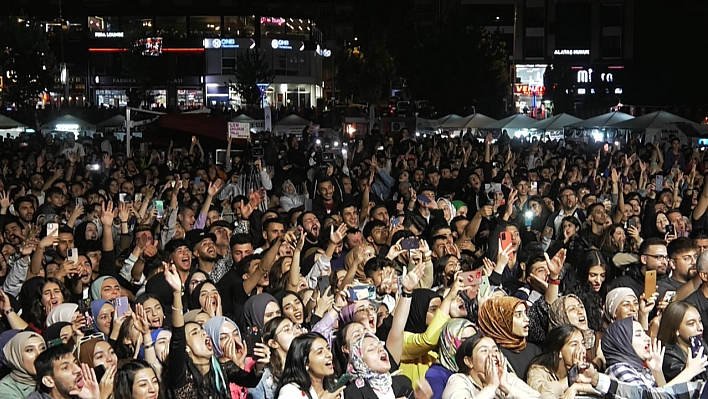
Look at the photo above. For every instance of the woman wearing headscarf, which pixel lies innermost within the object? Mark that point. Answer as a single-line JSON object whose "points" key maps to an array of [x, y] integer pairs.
{"points": [[505, 320], [370, 364], [224, 332], [633, 358], [96, 352], [622, 302], [102, 314], [569, 309], [426, 319], [19, 355], [448, 209], [64, 312], [62, 329], [290, 198], [105, 288], [5, 337], [455, 332], [259, 309]]}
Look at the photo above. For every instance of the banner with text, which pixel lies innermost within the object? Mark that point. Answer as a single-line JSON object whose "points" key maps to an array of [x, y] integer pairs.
{"points": [[239, 130]]}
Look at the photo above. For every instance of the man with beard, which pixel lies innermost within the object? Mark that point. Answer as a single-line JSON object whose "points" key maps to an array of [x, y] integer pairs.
{"points": [[569, 207], [222, 230], [24, 209], [272, 228], [682, 261], [652, 256], [311, 226], [241, 247], [60, 376], [326, 202], [597, 215], [204, 251], [13, 230], [376, 233], [36, 187]]}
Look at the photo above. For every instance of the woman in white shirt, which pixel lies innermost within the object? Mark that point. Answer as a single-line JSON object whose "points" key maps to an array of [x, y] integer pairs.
{"points": [[484, 374], [308, 370]]}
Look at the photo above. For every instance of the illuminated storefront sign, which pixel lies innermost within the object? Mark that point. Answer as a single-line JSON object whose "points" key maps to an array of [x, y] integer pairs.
{"points": [[217, 43], [108, 34], [592, 75], [527, 90], [273, 21], [571, 52], [281, 44]]}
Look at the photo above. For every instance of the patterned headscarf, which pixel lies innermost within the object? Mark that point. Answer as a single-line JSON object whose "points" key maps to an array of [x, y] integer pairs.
{"points": [[450, 341], [380, 382], [558, 316], [614, 299], [496, 320]]}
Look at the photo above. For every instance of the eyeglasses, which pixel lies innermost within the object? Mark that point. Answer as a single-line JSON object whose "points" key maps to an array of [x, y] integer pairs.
{"points": [[290, 329], [87, 338], [370, 309], [660, 258]]}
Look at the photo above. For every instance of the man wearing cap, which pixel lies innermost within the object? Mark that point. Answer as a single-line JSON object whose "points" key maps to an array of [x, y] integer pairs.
{"points": [[222, 230], [203, 246]]}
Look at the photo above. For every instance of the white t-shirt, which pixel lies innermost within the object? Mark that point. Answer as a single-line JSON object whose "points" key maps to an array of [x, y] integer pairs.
{"points": [[78, 149]]}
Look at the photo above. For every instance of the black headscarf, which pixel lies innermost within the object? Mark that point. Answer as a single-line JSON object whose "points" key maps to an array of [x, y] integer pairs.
{"points": [[193, 298], [617, 344], [254, 309], [158, 286], [54, 331], [419, 310]]}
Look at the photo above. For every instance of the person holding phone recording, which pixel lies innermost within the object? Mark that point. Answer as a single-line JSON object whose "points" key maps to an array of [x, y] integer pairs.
{"points": [[681, 332]]}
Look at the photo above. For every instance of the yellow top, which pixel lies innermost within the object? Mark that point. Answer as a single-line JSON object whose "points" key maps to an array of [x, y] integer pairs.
{"points": [[419, 349]]}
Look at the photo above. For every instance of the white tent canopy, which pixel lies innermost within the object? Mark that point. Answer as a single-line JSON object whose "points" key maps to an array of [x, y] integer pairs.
{"points": [[452, 121], [451, 118], [257, 125], [518, 121], [476, 121], [68, 123], [114, 121], [7, 123], [556, 123], [602, 121], [291, 124], [656, 124]]}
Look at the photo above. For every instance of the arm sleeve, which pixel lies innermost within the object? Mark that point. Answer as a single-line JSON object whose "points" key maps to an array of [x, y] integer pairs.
{"points": [[265, 179], [238, 376], [107, 266], [416, 345], [16, 277], [177, 366]]}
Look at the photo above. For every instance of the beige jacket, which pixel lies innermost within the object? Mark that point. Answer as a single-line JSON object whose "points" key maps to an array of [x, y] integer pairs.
{"points": [[461, 386]]}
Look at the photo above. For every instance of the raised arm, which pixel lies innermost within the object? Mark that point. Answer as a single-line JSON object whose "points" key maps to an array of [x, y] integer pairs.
{"points": [[408, 283]]}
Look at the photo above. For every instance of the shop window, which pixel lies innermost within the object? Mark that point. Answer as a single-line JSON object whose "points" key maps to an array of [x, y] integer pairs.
{"points": [[273, 26], [171, 26], [298, 27], [104, 24], [239, 26], [611, 15], [205, 26], [611, 47]]}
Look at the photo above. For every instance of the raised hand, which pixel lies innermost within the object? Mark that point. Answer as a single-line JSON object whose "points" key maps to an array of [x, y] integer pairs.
{"points": [[411, 280], [91, 388], [107, 214], [5, 201], [337, 236], [172, 277], [555, 265], [124, 211], [215, 187], [140, 320], [656, 353]]}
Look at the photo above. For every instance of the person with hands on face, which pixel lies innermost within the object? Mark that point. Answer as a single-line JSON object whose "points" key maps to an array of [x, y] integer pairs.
{"points": [[633, 357], [60, 376], [192, 370], [483, 374]]}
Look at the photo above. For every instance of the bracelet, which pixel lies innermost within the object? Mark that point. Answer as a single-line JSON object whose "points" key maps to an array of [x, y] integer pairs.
{"points": [[334, 307], [405, 294], [148, 346], [175, 309], [7, 312], [554, 281]]}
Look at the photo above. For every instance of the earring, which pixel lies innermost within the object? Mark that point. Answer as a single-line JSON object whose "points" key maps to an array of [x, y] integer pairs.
{"points": [[560, 356]]}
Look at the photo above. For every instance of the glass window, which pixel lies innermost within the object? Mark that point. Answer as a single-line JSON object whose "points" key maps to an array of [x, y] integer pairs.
{"points": [[239, 26], [104, 24], [273, 26], [171, 26], [137, 25], [298, 27], [205, 26]]}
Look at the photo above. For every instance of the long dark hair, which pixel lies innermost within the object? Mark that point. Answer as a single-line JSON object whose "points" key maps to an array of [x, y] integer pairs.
{"points": [[295, 371], [125, 378], [439, 278], [341, 359], [206, 384], [552, 345], [31, 299], [583, 289], [276, 363]]}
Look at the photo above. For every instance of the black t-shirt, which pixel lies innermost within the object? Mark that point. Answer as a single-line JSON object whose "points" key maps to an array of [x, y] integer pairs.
{"points": [[700, 302], [520, 361]]}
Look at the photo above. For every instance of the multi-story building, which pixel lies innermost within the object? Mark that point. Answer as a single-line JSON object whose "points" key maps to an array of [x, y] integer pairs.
{"points": [[580, 49], [189, 54]]}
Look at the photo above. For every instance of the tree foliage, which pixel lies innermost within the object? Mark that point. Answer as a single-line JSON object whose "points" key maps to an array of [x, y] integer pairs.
{"points": [[364, 71], [251, 69], [456, 66], [26, 62]]}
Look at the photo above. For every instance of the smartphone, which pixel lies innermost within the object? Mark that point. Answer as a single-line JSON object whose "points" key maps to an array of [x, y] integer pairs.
{"points": [[631, 223], [322, 284], [122, 305], [471, 278], [362, 292], [121, 197], [649, 283], [341, 381], [53, 229], [410, 244], [138, 197], [395, 222], [696, 344], [94, 166], [505, 238], [669, 296], [253, 336], [160, 207], [197, 180], [85, 310], [100, 370], [573, 374], [659, 184], [484, 287], [79, 201], [528, 218], [72, 254], [534, 185], [670, 229], [424, 199], [194, 139]]}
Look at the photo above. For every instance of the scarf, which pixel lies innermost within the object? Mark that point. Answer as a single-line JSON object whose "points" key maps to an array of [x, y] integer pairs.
{"points": [[558, 316], [346, 316], [96, 286], [254, 309], [13, 357], [420, 302], [5, 337], [617, 344], [54, 331], [86, 351], [63, 312], [96, 306], [213, 328], [450, 207], [450, 341], [496, 320], [379, 382], [154, 334], [614, 299]]}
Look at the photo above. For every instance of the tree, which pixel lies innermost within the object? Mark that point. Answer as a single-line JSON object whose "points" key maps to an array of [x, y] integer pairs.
{"points": [[26, 62], [251, 69], [363, 70]]}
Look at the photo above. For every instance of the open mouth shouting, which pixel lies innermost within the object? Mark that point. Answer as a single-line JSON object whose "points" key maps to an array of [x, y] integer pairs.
{"points": [[208, 344], [329, 364], [155, 322], [186, 262], [298, 315]]}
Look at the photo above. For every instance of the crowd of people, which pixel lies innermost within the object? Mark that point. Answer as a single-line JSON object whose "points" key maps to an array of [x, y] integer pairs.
{"points": [[402, 267]]}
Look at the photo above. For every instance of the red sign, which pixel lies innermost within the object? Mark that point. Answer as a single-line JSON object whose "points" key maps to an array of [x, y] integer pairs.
{"points": [[529, 90]]}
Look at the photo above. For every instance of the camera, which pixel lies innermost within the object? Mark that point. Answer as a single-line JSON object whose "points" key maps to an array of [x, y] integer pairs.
{"points": [[328, 156], [257, 152]]}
